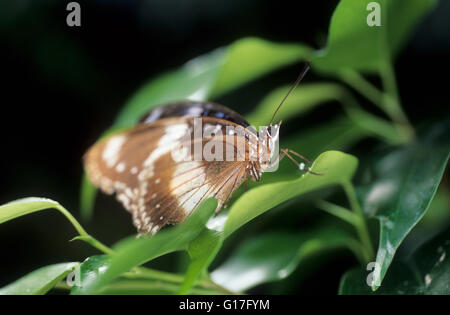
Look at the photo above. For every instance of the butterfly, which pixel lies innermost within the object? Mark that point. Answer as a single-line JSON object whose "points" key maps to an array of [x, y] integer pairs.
{"points": [[179, 155]]}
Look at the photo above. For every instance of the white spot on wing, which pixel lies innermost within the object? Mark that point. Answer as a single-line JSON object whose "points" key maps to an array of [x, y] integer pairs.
{"points": [[166, 143], [120, 167], [111, 152]]}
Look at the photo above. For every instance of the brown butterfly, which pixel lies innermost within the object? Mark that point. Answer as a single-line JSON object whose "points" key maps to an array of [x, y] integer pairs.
{"points": [[159, 171]]}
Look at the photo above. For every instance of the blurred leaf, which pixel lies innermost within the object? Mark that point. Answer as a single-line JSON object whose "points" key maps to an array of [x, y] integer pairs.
{"points": [[87, 198], [427, 271], [336, 167], [353, 44], [337, 134], [192, 81], [202, 251], [439, 211], [275, 255], [402, 183], [39, 281], [302, 99], [250, 58], [133, 252]]}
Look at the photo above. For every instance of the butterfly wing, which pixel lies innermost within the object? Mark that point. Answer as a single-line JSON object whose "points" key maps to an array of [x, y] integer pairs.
{"points": [[156, 187]]}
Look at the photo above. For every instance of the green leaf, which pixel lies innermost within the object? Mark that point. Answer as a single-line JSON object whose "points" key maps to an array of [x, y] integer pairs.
{"points": [[400, 186], [39, 281], [202, 251], [250, 58], [336, 167], [302, 99], [29, 205], [338, 134], [275, 255], [89, 271], [353, 44], [133, 252], [427, 271], [192, 81]]}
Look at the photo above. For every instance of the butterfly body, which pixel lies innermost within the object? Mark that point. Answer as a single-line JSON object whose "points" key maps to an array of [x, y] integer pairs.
{"points": [[176, 157]]}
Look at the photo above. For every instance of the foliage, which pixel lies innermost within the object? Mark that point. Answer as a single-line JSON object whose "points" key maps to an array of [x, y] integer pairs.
{"points": [[397, 181]]}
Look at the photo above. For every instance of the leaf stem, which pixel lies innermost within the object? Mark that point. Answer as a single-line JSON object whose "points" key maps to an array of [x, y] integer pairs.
{"points": [[391, 102], [83, 235], [379, 127], [151, 274], [360, 225], [338, 211], [387, 101], [360, 84]]}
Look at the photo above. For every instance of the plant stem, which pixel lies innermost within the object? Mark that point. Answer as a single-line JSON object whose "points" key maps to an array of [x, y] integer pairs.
{"points": [[72, 220], [367, 121], [338, 211], [360, 84], [388, 101], [392, 104], [360, 225], [151, 274], [147, 273], [145, 285]]}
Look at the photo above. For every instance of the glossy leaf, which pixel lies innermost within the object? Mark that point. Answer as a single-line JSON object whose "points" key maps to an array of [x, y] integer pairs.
{"points": [[275, 255], [427, 271], [336, 167], [133, 252], [89, 271], [39, 281], [401, 183], [353, 44]]}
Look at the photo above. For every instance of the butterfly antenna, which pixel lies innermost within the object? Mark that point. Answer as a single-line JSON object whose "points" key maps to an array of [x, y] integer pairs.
{"points": [[299, 78]]}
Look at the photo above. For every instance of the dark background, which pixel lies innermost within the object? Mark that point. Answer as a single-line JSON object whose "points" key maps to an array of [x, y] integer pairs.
{"points": [[62, 86]]}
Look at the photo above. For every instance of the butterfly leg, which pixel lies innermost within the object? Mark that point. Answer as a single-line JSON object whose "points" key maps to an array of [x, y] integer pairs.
{"points": [[299, 155], [308, 169]]}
